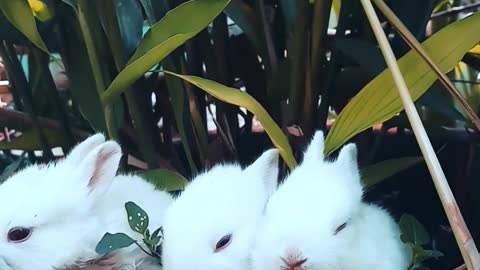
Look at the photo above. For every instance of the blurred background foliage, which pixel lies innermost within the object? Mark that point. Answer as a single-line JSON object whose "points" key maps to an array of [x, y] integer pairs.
{"points": [[256, 74]]}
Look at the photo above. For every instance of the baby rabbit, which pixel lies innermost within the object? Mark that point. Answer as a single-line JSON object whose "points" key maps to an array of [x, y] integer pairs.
{"points": [[212, 224], [53, 216], [316, 220]]}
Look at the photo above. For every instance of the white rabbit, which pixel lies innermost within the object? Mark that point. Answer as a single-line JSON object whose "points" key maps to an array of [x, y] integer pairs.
{"points": [[212, 224], [316, 220], [53, 216]]}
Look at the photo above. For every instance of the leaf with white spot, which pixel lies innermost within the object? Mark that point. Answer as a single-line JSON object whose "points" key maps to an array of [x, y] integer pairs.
{"points": [[111, 242], [137, 218]]}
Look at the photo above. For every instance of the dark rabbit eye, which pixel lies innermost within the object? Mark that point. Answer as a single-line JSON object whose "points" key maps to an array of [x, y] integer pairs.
{"points": [[223, 243], [19, 234], [340, 228]]}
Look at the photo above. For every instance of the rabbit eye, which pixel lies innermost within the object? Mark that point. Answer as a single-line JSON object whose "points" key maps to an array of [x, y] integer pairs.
{"points": [[340, 228], [19, 234], [223, 243]]}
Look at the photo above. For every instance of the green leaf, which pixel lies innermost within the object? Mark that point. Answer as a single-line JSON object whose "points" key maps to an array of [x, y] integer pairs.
{"points": [[179, 102], [28, 140], [130, 23], [243, 99], [156, 233], [375, 173], [137, 218], [163, 38], [250, 22], [419, 254], [164, 179], [379, 101], [80, 73], [154, 239], [111, 242], [413, 231], [153, 9], [19, 13]]}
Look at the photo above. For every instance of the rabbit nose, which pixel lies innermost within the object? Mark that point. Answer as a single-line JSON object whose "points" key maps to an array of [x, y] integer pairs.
{"points": [[293, 263]]}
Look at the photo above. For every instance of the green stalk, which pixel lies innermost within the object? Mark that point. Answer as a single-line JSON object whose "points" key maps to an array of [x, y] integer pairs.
{"points": [[460, 230], [139, 113], [299, 55], [42, 60], [90, 27], [321, 17]]}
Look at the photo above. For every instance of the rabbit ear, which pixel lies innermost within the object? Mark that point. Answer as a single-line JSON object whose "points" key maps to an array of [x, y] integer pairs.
{"points": [[348, 157], [100, 166], [80, 151], [315, 149], [267, 167]]}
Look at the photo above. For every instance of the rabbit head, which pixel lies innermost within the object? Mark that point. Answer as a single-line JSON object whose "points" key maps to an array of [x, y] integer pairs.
{"points": [[45, 218], [307, 220], [212, 224]]}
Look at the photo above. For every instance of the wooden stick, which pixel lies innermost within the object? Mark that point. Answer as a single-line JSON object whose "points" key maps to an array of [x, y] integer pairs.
{"points": [[414, 44], [460, 230]]}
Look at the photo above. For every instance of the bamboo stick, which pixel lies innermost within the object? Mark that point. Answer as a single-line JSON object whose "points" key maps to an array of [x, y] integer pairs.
{"points": [[460, 230]]}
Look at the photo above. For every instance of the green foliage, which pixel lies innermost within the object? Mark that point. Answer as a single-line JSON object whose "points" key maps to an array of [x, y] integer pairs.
{"points": [[20, 15], [112, 242], [238, 98], [415, 236], [137, 218], [375, 173], [77, 66], [163, 38], [443, 47], [164, 179], [138, 221]]}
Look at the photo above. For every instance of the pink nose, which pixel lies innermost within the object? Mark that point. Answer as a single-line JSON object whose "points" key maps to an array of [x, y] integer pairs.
{"points": [[293, 263]]}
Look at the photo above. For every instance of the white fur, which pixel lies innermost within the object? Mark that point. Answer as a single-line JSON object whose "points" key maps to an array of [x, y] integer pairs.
{"points": [[316, 198], [224, 200], [70, 205]]}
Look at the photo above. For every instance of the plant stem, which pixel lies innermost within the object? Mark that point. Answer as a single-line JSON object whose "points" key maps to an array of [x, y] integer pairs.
{"points": [[462, 234], [90, 30], [138, 106], [297, 86], [455, 10], [414, 44], [43, 60], [321, 17]]}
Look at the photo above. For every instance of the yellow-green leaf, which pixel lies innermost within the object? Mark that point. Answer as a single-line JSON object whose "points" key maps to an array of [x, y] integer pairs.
{"points": [[375, 173], [243, 99], [164, 179], [379, 101], [178, 26], [475, 50], [40, 10], [19, 14], [29, 141]]}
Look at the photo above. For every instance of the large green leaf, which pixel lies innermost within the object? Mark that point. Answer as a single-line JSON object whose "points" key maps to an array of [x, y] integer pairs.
{"points": [[242, 99], [413, 231], [375, 173], [379, 101], [19, 13], [77, 66], [164, 179], [178, 26], [28, 140], [250, 22]]}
